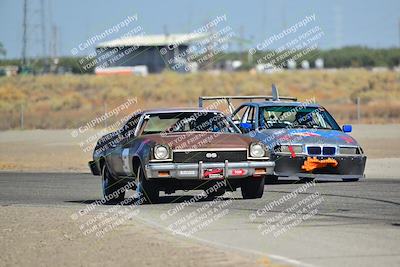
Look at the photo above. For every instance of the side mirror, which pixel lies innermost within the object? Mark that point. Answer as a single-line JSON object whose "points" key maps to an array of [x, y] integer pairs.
{"points": [[246, 127], [347, 128]]}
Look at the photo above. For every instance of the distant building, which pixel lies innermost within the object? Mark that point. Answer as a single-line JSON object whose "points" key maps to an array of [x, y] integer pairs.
{"points": [[8, 70], [151, 53]]}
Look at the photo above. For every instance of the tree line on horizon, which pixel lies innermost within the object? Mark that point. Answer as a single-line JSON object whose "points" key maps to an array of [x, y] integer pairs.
{"points": [[346, 57]]}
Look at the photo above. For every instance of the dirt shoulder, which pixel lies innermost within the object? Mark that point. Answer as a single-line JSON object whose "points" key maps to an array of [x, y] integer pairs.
{"points": [[44, 236]]}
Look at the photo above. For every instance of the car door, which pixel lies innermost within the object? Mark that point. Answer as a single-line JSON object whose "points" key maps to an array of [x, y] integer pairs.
{"points": [[119, 154]]}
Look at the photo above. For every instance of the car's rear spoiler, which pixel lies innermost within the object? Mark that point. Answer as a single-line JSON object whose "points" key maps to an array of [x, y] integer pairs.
{"points": [[274, 97]]}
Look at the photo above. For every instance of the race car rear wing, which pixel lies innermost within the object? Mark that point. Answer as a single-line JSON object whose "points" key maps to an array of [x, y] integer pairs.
{"points": [[274, 97]]}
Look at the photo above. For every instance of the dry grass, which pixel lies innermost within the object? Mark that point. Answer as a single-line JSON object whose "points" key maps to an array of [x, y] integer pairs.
{"points": [[71, 100]]}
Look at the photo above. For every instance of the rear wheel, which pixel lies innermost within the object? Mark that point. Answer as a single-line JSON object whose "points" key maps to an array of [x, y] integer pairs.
{"points": [[306, 180], [253, 187], [271, 179], [145, 188], [112, 189]]}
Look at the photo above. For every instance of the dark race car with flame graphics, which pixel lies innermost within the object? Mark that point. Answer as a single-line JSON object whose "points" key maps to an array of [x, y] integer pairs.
{"points": [[180, 149]]}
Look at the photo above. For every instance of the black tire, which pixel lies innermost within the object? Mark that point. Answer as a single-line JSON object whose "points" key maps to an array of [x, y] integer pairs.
{"points": [[112, 192], [271, 179], [253, 187], [305, 180], [215, 193], [351, 180], [145, 188]]}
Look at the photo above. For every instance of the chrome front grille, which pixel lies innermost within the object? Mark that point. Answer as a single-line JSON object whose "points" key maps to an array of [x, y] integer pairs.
{"points": [[210, 156]]}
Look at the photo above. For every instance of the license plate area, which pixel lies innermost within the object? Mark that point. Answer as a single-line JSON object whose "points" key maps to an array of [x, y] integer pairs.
{"points": [[213, 174]]}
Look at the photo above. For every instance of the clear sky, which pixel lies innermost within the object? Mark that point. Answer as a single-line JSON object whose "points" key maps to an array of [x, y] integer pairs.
{"points": [[345, 22]]}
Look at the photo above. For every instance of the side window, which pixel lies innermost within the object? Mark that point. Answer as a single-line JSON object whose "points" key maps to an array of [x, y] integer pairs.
{"points": [[237, 116], [263, 118], [128, 130], [245, 115], [251, 116]]}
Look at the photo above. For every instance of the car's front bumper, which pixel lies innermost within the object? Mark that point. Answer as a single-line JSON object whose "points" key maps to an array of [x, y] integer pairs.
{"points": [[349, 167], [231, 170]]}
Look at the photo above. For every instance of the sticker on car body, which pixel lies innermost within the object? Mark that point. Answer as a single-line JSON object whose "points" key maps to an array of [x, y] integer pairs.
{"points": [[125, 161]]}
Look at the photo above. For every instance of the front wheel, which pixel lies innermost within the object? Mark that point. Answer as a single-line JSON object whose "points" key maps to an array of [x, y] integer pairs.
{"points": [[113, 190], [253, 187], [215, 189], [145, 188]]}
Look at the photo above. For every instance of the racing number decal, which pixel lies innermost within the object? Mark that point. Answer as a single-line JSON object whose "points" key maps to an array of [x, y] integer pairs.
{"points": [[125, 161]]}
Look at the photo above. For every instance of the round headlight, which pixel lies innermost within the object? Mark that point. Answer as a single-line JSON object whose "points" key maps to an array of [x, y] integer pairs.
{"points": [[161, 152], [257, 150]]}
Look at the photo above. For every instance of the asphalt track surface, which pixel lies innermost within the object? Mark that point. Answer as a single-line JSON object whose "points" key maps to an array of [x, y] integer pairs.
{"points": [[356, 224]]}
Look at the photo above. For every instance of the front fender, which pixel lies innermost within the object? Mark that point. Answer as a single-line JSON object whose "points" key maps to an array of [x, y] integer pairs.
{"points": [[139, 150]]}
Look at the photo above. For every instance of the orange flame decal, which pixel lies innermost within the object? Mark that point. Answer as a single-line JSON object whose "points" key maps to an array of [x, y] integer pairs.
{"points": [[313, 163]]}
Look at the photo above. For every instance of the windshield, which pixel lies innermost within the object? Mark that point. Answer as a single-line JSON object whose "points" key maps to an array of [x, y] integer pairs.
{"points": [[296, 117], [188, 122]]}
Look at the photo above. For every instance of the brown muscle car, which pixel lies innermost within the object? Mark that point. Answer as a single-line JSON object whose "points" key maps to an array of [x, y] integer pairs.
{"points": [[180, 149]]}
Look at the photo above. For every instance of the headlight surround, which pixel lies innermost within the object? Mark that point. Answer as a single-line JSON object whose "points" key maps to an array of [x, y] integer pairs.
{"points": [[257, 150], [161, 152], [296, 149], [349, 150]]}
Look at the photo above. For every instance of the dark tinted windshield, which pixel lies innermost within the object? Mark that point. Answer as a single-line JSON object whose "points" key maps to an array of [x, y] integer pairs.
{"points": [[296, 117], [188, 122]]}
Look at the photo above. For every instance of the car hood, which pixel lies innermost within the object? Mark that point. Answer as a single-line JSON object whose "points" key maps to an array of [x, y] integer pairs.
{"points": [[272, 137], [200, 140]]}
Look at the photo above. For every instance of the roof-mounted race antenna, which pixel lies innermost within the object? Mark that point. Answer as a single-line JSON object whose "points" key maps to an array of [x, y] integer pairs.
{"points": [[275, 94]]}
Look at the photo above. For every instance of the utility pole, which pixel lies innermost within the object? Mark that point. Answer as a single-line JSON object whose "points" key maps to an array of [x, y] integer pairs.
{"points": [[399, 32], [105, 114], [22, 116], [43, 30], [241, 49], [165, 29], [51, 25], [24, 34], [54, 41]]}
